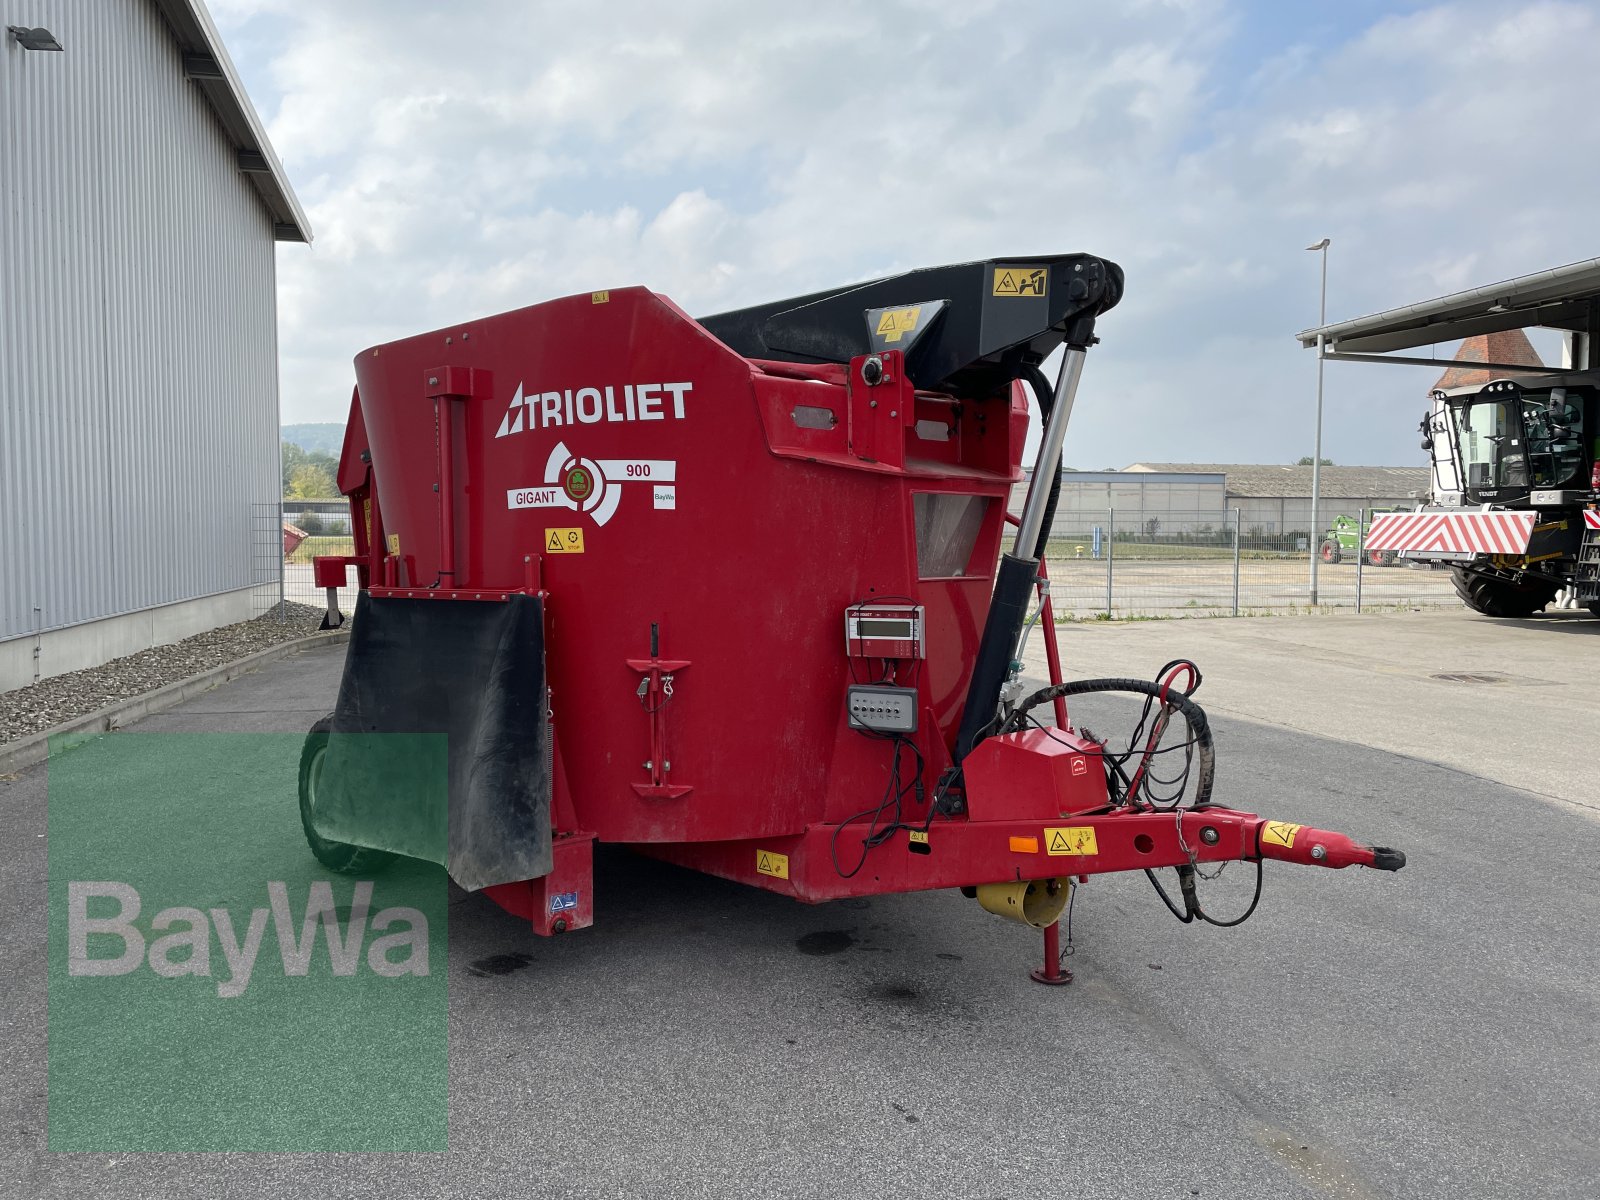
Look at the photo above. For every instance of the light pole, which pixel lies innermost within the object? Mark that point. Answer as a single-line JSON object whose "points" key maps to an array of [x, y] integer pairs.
{"points": [[1316, 454]]}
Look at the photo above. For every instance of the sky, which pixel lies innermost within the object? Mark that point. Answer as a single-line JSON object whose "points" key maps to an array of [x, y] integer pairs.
{"points": [[460, 160]]}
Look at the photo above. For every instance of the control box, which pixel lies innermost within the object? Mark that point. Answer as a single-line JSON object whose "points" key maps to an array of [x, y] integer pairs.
{"points": [[885, 631], [881, 708]]}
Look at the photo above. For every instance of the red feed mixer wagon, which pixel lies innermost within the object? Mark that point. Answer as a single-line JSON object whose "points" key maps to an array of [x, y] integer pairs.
{"points": [[725, 591]]}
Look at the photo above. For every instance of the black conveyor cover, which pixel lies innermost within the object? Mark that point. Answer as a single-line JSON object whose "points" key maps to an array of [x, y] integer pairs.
{"points": [[473, 672]]}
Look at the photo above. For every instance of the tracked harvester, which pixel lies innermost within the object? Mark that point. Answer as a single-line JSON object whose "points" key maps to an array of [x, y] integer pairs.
{"points": [[726, 591]]}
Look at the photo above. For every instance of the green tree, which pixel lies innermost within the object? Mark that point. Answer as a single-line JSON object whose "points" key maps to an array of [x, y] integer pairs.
{"points": [[292, 458], [1305, 461], [311, 481]]}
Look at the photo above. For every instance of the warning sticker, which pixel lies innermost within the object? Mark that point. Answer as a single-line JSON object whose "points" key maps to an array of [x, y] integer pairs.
{"points": [[1280, 833], [771, 863], [394, 544], [895, 323], [1021, 281], [1070, 839], [599, 297], [563, 541], [919, 835]]}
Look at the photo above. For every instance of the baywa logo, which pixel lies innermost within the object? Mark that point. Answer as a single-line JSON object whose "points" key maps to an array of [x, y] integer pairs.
{"points": [[209, 988], [185, 946]]}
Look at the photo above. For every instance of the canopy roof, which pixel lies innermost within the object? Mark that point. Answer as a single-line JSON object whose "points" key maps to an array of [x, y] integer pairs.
{"points": [[1561, 298]]}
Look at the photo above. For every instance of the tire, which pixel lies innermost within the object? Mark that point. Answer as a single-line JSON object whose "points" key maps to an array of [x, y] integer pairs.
{"points": [[1594, 608], [1389, 557], [336, 856], [1494, 596], [1330, 551]]}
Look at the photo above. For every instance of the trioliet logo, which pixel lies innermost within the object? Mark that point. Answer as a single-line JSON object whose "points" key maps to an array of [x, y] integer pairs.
{"points": [[530, 410]]}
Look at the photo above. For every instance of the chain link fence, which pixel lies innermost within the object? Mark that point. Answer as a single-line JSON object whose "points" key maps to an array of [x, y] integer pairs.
{"points": [[1127, 564], [1112, 564]]}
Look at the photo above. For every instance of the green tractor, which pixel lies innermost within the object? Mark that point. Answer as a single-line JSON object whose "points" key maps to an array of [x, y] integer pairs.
{"points": [[1346, 536]]}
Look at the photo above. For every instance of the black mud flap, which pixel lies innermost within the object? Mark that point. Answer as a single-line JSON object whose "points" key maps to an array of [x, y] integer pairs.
{"points": [[461, 773]]}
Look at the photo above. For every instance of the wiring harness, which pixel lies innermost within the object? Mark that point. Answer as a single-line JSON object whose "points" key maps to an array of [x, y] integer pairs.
{"points": [[1134, 776]]}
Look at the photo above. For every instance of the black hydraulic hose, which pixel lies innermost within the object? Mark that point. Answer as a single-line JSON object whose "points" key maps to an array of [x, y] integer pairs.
{"points": [[1046, 396], [1008, 607], [1199, 727], [1008, 611]]}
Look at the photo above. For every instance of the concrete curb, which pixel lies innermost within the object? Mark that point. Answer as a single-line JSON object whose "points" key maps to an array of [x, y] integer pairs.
{"points": [[35, 748]]}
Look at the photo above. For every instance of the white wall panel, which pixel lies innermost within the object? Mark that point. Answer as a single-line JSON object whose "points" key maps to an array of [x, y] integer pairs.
{"points": [[138, 340]]}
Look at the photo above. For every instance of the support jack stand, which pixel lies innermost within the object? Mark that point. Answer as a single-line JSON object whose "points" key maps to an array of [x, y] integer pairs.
{"points": [[1052, 972]]}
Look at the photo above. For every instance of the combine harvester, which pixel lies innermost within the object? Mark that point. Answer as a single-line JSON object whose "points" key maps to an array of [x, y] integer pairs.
{"points": [[725, 592], [1514, 503]]}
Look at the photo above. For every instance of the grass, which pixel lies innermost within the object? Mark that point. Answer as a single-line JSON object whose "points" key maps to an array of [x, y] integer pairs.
{"points": [[312, 546], [1061, 550]]}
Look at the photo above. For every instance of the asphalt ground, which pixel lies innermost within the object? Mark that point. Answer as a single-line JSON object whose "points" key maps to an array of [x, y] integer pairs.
{"points": [[1426, 1034]]}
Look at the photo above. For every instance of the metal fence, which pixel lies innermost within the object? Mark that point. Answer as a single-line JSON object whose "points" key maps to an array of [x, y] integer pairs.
{"points": [[1130, 564], [1209, 564]]}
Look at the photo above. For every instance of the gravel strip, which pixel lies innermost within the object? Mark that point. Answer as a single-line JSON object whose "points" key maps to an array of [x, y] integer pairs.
{"points": [[49, 702]]}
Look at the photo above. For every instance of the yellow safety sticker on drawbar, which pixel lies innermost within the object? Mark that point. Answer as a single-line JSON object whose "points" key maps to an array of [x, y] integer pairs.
{"points": [[1280, 833], [1070, 839], [770, 863], [600, 297], [919, 835], [897, 322], [1021, 281], [563, 541]]}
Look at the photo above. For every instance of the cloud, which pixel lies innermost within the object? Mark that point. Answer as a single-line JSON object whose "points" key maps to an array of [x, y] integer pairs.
{"points": [[462, 161]]}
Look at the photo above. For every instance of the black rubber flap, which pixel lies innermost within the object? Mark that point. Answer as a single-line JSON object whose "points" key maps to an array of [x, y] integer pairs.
{"points": [[456, 689]]}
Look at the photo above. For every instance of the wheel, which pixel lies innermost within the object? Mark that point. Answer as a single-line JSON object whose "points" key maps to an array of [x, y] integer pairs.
{"points": [[1594, 608], [1330, 551], [1380, 558], [1389, 557], [1495, 596], [336, 856]]}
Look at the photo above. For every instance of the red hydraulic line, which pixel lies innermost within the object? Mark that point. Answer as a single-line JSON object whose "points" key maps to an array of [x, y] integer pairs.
{"points": [[1052, 653]]}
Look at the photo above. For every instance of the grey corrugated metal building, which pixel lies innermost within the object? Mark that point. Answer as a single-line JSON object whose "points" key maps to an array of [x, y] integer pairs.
{"points": [[1275, 500], [139, 206]]}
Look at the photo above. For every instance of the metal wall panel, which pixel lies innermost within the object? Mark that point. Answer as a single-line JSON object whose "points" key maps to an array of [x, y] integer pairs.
{"points": [[138, 335]]}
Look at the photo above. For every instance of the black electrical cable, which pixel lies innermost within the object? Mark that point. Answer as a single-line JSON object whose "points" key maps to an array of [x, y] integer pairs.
{"points": [[1123, 791], [1193, 714], [895, 793]]}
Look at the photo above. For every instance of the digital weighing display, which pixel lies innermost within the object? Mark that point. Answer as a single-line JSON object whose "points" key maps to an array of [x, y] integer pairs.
{"points": [[884, 631]]}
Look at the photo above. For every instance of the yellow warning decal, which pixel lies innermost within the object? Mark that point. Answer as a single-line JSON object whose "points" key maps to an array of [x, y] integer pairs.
{"points": [[897, 322], [920, 836], [1280, 833], [1070, 839], [1021, 281], [563, 541], [600, 297], [394, 544], [770, 863]]}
